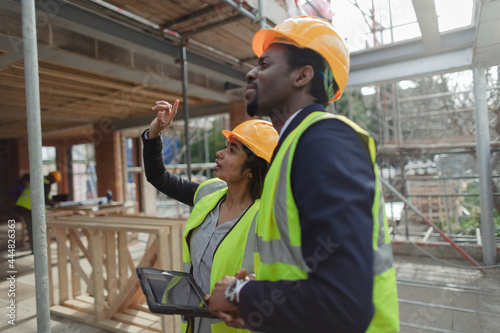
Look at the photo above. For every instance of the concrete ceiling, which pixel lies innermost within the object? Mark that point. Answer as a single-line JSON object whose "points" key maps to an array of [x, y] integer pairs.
{"points": [[97, 64]]}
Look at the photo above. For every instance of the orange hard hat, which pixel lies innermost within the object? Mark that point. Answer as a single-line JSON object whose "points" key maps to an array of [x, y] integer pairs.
{"points": [[311, 33], [57, 176], [258, 135]]}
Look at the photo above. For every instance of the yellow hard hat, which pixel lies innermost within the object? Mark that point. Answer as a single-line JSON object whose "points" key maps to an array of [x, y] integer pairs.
{"points": [[57, 176], [311, 33], [258, 135]]}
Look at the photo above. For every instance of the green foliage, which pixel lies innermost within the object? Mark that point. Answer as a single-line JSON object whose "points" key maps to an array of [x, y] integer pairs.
{"points": [[359, 109], [468, 224], [327, 82]]}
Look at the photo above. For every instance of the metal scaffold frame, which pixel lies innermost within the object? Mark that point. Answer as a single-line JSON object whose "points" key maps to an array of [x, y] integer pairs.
{"points": [[393, 146]]}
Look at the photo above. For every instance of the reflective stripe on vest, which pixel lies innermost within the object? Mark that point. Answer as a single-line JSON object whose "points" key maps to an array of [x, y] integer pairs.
{"points": [[228, 256], [207, 195], [279, 255], [24, 199]]}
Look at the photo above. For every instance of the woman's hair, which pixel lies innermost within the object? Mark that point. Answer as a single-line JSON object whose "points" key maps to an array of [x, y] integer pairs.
{"points": [[298, 58], [258, 166]]}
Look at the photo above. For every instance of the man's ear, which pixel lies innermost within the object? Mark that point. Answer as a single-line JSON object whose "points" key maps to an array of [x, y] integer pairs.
{"points": [[304, 76]]}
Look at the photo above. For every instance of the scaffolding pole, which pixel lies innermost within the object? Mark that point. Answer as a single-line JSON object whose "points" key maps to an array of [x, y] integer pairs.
{"points": [[36, 165], [262, 19], [238, 7], [484, 166], [426, 220], [186, 108]]}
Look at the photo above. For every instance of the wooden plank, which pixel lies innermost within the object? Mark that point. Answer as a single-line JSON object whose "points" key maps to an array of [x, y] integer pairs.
{"points": [[79, 305], [164, 255], [85, 298], [111, 265], [75, 261], [145, 314], [427, 234], [70, 313], [135, 296], [132, 284], [75, 277], [141, 307], [176, 248], [137, 321], [170, 258], [138, 298], [73, 236], [106, 226], [123, 259], [108, 324], [62, 268], [123, 219], [97, 274], [118, 326], [130, 262]]}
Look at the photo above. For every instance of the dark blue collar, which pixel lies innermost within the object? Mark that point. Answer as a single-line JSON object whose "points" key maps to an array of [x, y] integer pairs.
{"points": [[296, 121]]}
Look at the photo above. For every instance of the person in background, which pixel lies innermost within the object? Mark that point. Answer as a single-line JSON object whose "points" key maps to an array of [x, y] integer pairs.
{"points": [[23, 203], [323, 260], [223, 208], [52, 178], [17, 188]]}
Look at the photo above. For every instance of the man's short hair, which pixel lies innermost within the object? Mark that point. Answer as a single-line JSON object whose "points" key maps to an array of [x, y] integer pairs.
{"points": [[298, 57]]}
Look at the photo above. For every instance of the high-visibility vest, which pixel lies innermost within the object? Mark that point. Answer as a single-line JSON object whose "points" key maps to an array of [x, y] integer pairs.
{"points": [[228, 256], [278, 253], [24, 199]]}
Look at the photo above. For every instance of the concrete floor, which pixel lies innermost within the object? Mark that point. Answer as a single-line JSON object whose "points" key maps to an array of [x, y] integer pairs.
{"points": [[433, 297], [439, 298]]}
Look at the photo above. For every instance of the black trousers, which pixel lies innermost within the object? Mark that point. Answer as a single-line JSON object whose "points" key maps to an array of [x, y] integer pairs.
{"points": [[26, 214]]}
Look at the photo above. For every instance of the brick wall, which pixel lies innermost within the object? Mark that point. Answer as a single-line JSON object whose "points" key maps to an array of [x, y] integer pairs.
{"points": [[23, 157], [108, 162]]}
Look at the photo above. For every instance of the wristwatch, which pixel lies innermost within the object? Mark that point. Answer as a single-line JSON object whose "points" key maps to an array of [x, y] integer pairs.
{"points": [[230, 293]]}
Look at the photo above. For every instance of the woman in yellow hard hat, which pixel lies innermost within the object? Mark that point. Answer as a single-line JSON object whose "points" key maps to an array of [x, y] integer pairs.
{"points": [[223, 207]]}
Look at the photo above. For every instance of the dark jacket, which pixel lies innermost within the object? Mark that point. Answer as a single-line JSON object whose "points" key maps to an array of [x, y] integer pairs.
{"points": [[175, 187], [333, 185]]}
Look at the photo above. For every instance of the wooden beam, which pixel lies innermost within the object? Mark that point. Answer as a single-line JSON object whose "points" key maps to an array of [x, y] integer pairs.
{"points": [[111, 265], [96, 250], [123, 259], [75, 275], [132, 283], [62, 267]]}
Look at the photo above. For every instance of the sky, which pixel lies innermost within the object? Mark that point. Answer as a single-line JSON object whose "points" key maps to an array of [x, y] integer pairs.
{"points": [[353, 19]]}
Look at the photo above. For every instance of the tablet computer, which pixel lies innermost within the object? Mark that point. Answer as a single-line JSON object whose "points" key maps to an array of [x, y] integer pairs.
{"points": [[172, 292]]}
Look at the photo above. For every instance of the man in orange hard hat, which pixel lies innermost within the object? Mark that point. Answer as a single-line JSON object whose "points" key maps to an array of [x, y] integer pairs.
{"points": [[323, 258], [23, 203]]}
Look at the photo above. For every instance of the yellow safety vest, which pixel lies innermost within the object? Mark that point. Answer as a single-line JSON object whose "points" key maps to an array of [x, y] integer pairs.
{"points": [[278, 254], [229, 254], [24, 199]]}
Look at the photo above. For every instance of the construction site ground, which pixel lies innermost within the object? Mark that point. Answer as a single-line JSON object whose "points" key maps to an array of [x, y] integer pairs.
{"points": [[433, 297]]}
